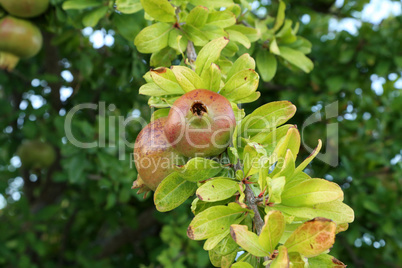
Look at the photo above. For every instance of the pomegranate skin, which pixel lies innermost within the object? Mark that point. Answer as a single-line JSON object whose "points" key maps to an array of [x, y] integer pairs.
{"points": [[200, 124], [25, 8], [154, 157]]}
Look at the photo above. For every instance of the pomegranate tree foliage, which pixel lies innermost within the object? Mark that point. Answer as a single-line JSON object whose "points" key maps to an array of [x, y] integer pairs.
{"points": [[260, 177], [82, 212]]}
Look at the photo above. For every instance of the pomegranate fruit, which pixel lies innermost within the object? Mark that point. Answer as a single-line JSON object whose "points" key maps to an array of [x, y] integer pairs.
{"points": [[200, 123], [25, 8], [36, 154], [19, 37], [154, 157]]}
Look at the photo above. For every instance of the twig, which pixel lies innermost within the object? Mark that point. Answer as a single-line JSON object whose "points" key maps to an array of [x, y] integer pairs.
{"points": [[191, 54]]}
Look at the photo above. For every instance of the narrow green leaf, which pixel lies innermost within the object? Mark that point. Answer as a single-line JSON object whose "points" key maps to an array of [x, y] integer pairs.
{"points": [[271, 232], [335, 210], [80, 4], [237, 36], [187, 78], [252, 34], [160, 10], [172, 192], [177, 40], [268, 116], [208, 54], [307, 161], [267, 64], [152, 89], [312, 192], [217, 189], [197, 36], [276, 187], [296, 58], [199, 169], [247, 240], [221, 19], [197, 17], [92, 18], [250, 98], [240, 85], [163, 57], [280, 17], [312, 237], [212, 78], [245, 61], [290, 142], [254, 158], [153, 38], [213, 3], [128, 6], [214, 221]]}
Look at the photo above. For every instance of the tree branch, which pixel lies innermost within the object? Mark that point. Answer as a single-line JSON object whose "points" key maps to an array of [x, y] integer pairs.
{"points": [[191, 54]]}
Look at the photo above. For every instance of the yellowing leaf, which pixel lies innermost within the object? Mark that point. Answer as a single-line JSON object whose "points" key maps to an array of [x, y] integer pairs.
{"points": [[312, 192], [221, 19], [212, 78], [325, 260], [217, 189], [307, 161], [208, 54], [172, 192], [160, 10], [197, 17], [153, 38], [272, 230], [247, 240], [213, 3], [165, 79], [240, 85], [312, 237], [241, 265], [199, 169], [187, 78], [239, 37], [245, 61], [213, 221]]}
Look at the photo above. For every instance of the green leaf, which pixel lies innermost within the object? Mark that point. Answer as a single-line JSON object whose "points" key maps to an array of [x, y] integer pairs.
{"points": [[335, 210], [267, 64], [307, 161], [199, 169], [250, 98], [166, 80], [153, 38], [312, 237], [273, 47], [212, 242], [197, 36], [213, 3], [197, 17], [280, 17], [214, 221], [212, 78], [227, 245], [221, 19], [267, 118], [172, 192], [237, 36], [296, 58], [127, 25], [282, 260], [276, 187], [247, 240], [162, 102], [254, 158], [245, 61], [160, 113], [80, 4], [298, 260], [208, 54], [213, 32], [163, 57], [218, 260], [187, 78], [269, 139], [286, 167], [217, 189], [92, 18], [177, 40], [128, 6], [312, 192], [152, 89], [252, 34], [290, 142], [271, 232], [241, 265], [240, 85], [160, 10], [325, 260]]}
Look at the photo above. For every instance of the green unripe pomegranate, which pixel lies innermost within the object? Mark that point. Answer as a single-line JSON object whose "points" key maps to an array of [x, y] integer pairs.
{"points": [[19, 37], [36, 154], [200, 123], [25, 8], [154, 157]]}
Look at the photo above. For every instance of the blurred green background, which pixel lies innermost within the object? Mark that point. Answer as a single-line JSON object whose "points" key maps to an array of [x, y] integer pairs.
{"points": [[81, 211]]}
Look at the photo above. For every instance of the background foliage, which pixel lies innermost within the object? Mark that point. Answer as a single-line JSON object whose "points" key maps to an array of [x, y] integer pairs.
{"points": [[82, 212]]}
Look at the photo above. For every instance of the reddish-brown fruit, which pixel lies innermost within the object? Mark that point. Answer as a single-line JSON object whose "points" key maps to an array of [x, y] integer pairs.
{"points": [[25, 8], [200, 123], [154, 157], [19, 37]]}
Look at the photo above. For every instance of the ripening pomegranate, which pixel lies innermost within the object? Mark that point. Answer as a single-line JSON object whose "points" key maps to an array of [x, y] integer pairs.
{"points": [[154, 157], [25, 8], [200, 123]]}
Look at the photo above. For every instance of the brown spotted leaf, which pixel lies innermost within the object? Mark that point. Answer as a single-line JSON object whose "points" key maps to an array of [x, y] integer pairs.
{"points": [[247, 240], [282, 260], [312, 237], [325, 260]]}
